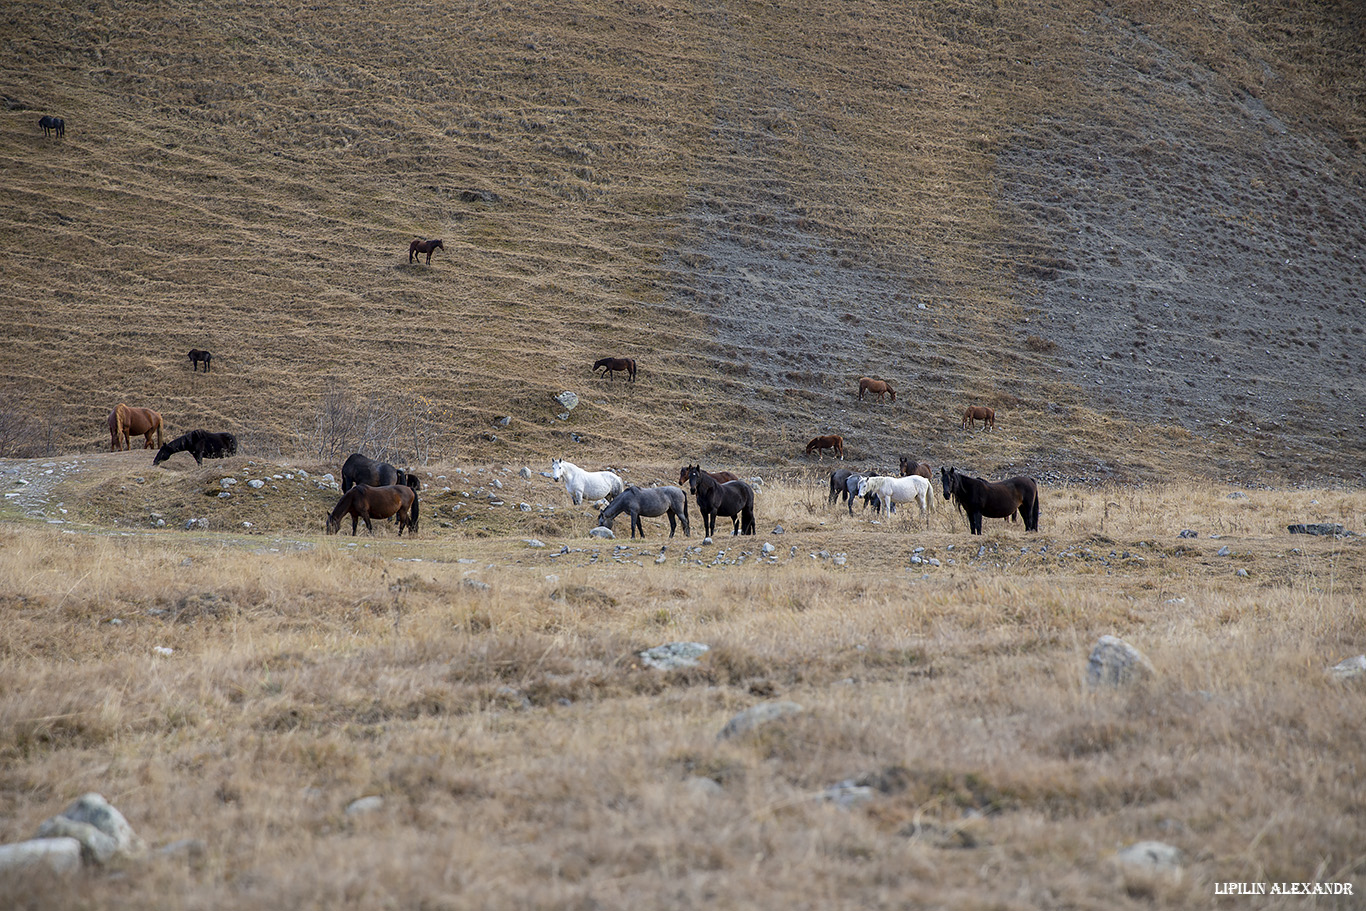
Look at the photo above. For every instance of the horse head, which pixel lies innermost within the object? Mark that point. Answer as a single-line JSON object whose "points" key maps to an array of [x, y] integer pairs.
{"points": [[556, 468], [693, 471], [333, 525], [948, 476]]}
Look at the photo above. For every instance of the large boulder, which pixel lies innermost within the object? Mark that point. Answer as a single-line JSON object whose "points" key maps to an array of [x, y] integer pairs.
{"points": [[1114, 662], [60, 855], [757, 716], [101, 829]]}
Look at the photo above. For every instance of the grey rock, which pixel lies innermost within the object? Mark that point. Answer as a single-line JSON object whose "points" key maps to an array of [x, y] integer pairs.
{"points": [[497, 484], [673, 655], [768, 548], [1151, 855], [534, 542], [525, 473], [778, 530], [706, 541], [1322, 528], [256, 483], [503, 421], [475, 585], [601, 531], [96, 847], [1187, 533], [1242, 574], [1237, 495], [1114, 662], [847, 794], [363, 805], [93, 810], [757, 716], [698, 786], [1223, 551], [60, 855], [226, 482], [568, 400], [1349, 668], [223, 495], [193, 524]]}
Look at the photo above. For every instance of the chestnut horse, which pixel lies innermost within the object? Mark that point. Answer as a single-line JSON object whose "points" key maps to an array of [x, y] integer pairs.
{"points": [[363, 502], [424, 246], [609, 365], [125, 422], [720, 477], [881, 387], [911, 466], [834, 441], [977, 413], [999, 500]]}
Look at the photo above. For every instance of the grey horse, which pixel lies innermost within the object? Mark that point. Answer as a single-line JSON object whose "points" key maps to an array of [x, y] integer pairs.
{"points": [[648, 501]]}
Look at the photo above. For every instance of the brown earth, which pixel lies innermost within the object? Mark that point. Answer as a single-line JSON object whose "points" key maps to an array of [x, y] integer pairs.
{"points": [[1135, 231]]}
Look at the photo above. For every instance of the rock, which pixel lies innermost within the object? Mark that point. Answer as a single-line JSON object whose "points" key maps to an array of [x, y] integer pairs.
{"points": [[503, 421], [778, 530], [525, 473], [674, 655], [192, 524], [706, 541], [223, 495], [497, 484], [1322, 528], [1349, 668], [601, 531], [256, 483], [568, 400], [848, 794], [534, 542], [1151, 855], [363, 805], [583, 596], [757, 716], [94, 811], [1237, 495], [768, 548], [1223, 551], [661, 558], [699, 786], [1114, 662], [328, 478], [226, 482], [60, 855], [476, 586], [1242, 574], [1187, 533]]}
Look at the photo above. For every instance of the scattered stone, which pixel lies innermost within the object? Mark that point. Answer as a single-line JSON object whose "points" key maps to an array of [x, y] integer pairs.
{"points": [[524, 507], [1187, 533], [97, 826], [490, 438], [768, 548], [1322, 528], [497, 484], [503, 421], [778, 530], [583, 596], [699, 786], [601, 531], [477, 586], [706, 541], [96, 847], [674, 655], [1349, 668], [60, 855], [363, 805], [223, 495], [1114, 662], [661, 558], [328, 478], [1151, 855], [534, 542], [848, 794], [525, 473], [256, 483], [163, 651], [200, 523], [1223, 551], [568, 400], [226, 482], [1242, 574], [757, 716], [1237, 495]]}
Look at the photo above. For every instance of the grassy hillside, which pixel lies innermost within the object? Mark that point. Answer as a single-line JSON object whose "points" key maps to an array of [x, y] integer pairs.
{"points": [[1136, 232]]}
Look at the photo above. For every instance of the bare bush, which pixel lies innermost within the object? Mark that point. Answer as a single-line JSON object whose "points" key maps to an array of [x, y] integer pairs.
{"points": [[395, 428]]}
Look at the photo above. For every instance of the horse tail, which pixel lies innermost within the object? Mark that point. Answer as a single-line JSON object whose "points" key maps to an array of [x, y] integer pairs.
{"points": [[158, 428], [1032, 516], [412, 515]]}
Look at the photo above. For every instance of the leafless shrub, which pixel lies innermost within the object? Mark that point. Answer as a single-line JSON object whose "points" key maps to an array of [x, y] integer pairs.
{"points": [[23, 436], [395, 428]]}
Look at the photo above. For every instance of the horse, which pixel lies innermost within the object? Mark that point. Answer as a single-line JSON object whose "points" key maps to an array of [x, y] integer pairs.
{"points": [[995, 500], [592, 484], [977, 413], [423, 246], [52, 125], [201, 444], [819, 444], [720, 477], [196, 356], [650, 502], [360, 469], [881, 387], [911, 466], [850, 493], [366, 502], [838, 483], [733, 498], [892, 491], [626, 365], [125, 422]]}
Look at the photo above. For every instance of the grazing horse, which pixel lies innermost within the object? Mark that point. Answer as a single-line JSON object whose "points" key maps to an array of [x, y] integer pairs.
{"points": [[609, 366], [366, 502], [977, 413], [995, 500], [733, 498], [591, 484], [649, 502], [125, 421], [892, 491], [201, 444], [720, 477], [361, 469], [52, 126], [196, 356], [819, 444], [911, 466], [881, 387], [423, 246]]}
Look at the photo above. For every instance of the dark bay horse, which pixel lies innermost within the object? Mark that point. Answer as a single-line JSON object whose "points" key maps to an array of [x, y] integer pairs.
{"points": [[911, 466], [196, 356], [52, 126], [880, 387], [649, 502], [733, 498], [125, 422], [995, 500], [363, 502], [977, 413], [844, 483], [720, 477], [820, 444], [626, 365], [201, 444], [361, 469], [423, 246]]}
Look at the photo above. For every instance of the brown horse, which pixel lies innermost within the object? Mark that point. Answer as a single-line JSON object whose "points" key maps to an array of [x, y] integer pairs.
{"points": [[125, 422], [881, 387], [977, 413], [626, 365], [911, 466], [424, 246], [998, 500], [834, 441], [365, 503], [720, 477]]}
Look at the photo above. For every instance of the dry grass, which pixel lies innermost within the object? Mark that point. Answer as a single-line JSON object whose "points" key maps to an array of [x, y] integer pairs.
{"points": [[528, 760]]}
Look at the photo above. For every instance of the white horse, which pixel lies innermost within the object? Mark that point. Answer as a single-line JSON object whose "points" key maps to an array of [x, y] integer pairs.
{"points": [[591, 484], [891, 491]]}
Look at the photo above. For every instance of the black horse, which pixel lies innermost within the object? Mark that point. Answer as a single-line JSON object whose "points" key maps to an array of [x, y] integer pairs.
{"points": [[733, 498], [201, 444], [52, 125], [360, 469], [424, 246], [995, 500], [196, 357]]}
